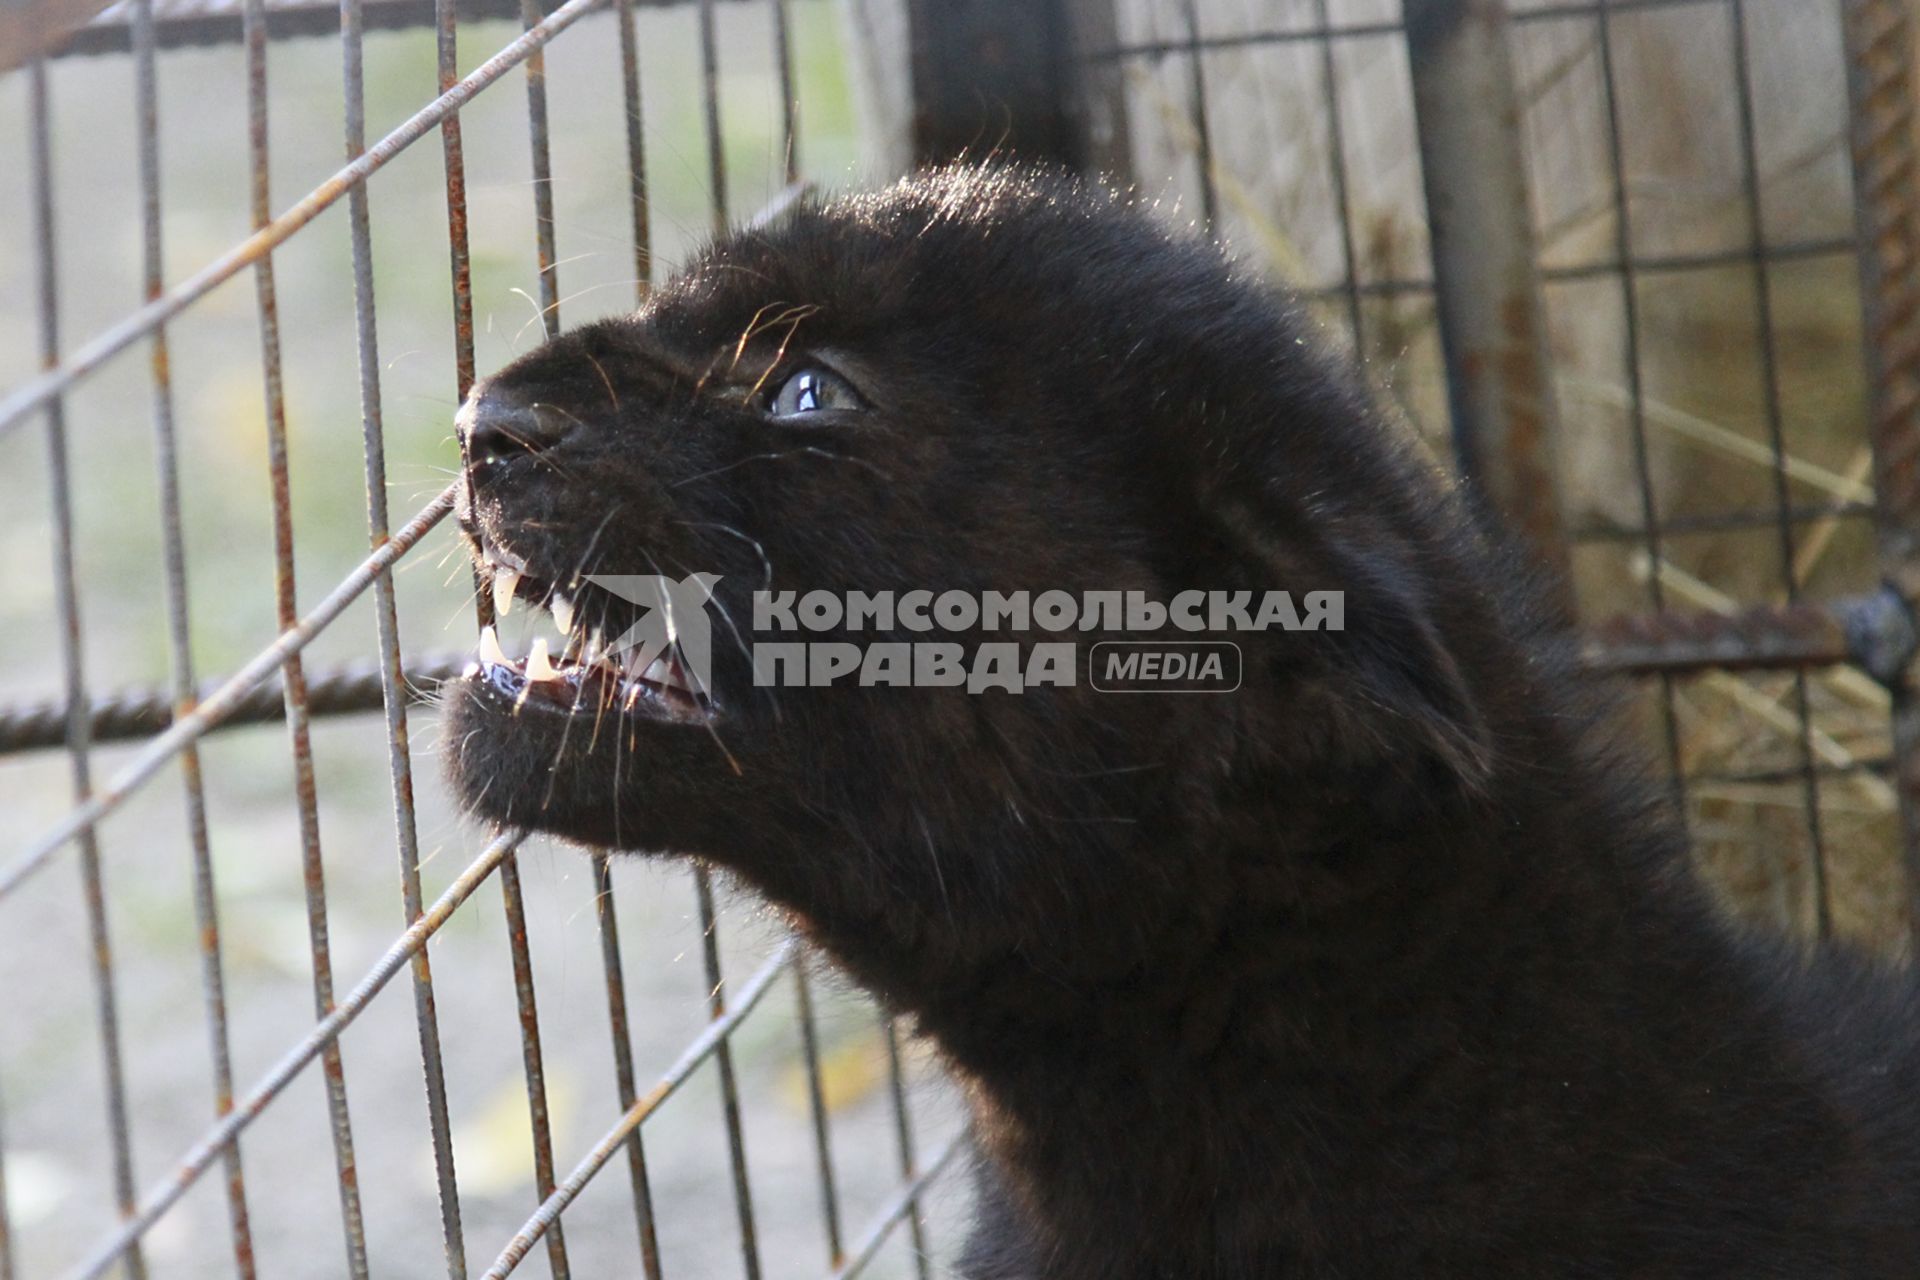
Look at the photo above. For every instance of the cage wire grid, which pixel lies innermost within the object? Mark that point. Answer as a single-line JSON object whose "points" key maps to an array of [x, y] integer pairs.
{"points": [[1685, 632], [189, 711], [1796, 637]]}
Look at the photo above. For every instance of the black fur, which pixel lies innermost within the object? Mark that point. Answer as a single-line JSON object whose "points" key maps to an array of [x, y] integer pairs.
{"points": [[1383, 966]]}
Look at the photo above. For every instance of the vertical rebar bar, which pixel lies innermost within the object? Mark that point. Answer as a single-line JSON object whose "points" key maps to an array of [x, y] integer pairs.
{"points": [[1197, 115], [723, 1063], [789, 103], [387, 625], [636, 150], [531, 1056], [802, 984], [1886, 177], [903, 1136], [817, 1106], [702, 878], [454, 164], [67, 603], [1342, 198], [1486, 276], [254, 25], [179, 634], [1650, 524], [536, 64], [710, 102], [1776, 443], [623, 1073]]}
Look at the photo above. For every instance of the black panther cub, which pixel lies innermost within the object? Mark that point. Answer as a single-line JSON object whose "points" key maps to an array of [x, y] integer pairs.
{"points": [[1378, 965]]}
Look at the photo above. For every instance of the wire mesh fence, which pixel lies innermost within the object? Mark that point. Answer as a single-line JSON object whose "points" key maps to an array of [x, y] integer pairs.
{"points": [[1646, 267], [1700, 425], [269, 1219]]}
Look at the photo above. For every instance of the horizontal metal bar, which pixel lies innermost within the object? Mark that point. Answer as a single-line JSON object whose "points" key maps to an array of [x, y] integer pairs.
{"points": [[116, 338], [697, 1051], [204, 1152], [215, 707], [1242, 39], [1725, 522], [1875, 632], [898, 1207], [140, 713], [199, 23], [1641, 643], [1359, 30], [1743, 255]]}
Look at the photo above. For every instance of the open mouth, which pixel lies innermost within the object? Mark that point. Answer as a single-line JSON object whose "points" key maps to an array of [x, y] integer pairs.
{"points": [[579, 671]]}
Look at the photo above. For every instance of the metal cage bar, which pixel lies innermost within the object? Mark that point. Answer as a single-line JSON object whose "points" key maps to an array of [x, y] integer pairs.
{"points": [[292, 674], [179, 637], [1886, 173], [67, 596], [172, 731]]}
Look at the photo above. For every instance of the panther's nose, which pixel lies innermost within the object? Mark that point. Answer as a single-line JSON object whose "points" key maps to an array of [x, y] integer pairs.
{"points": [[496, 426]]}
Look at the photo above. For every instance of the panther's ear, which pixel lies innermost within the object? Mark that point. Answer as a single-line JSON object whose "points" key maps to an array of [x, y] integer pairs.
{"points": [[1387, 678]]}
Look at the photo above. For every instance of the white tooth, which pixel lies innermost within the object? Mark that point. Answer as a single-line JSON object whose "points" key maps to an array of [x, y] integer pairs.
{"points": [[505, 582], [563, 613], [657, 671], [490, 651], [538, 665]]}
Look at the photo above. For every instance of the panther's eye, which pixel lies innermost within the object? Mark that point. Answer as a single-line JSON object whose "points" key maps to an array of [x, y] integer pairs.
{"points": [[813, 390]]}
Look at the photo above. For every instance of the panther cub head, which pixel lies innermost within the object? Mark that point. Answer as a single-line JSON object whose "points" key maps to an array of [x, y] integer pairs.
{"points": [[976, 381]]}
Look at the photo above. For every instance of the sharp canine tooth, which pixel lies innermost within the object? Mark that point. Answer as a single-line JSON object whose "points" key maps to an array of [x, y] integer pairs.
{"points": [[538, 665], [505, 582], [563, 613], [490, 651]]}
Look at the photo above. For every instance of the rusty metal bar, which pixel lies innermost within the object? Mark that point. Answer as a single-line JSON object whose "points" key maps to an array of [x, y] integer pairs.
{"points": [[902, 1203], [217, 22], [453, 159], [142, 713], [817, 1108], [293, 679], [166, 1193], [536, 68], [1763, 638], [802, 985], [392, 677], [623, 1062], [636, 150], [1636, 391], [179, 636], [903, 1137], [1784, 539], [723, 1063], [1486, 276], [67, 603], [214, 707], [1886, 174], [710, 103], [712, 1042], [530, 1055], [702, 878], [36, 391]]}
